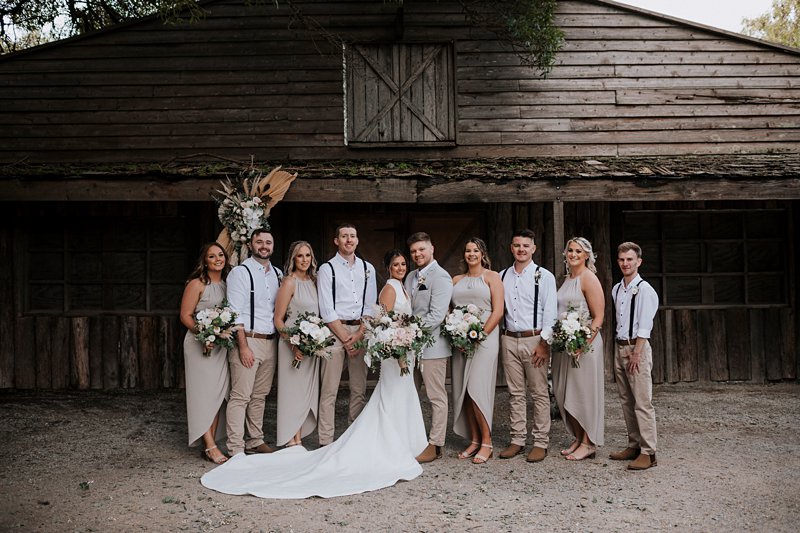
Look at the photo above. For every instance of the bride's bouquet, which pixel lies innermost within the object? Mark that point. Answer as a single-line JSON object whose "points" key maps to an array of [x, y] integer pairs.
{"points": [[395, 335], [310, 335], [464, 329], [215, 326], [571, 333]]}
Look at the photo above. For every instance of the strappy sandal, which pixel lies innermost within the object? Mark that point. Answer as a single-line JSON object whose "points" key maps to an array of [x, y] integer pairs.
{"points": [[218, 461], [465, 455], [572, 447], [590, 453], [481, 459]]}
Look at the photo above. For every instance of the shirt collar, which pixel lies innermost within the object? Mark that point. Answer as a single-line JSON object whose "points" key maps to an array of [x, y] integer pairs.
{"points": [[632, 283], [424, 270]]}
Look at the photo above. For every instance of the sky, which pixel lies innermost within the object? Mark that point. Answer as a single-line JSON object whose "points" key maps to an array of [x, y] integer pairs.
{"points": [[724, 14]]}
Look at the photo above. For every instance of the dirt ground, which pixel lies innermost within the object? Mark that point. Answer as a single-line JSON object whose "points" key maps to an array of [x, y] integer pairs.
{"points": [[729, 459]]}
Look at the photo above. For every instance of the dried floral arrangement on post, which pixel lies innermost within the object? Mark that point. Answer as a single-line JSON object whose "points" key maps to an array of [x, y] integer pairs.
{"points": [[244, 205]]}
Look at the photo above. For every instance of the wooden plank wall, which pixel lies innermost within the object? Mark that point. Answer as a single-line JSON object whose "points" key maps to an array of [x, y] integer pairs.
{"points": [[249, 80]]}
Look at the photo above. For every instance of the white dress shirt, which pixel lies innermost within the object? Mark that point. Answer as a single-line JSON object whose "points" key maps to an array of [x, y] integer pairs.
{"points": [[351, 297], [644, 312], [265, 283], [520, 290]]}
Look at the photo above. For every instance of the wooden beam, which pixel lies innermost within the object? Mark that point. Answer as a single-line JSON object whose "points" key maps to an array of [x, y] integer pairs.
{"points": [[421, 190]]}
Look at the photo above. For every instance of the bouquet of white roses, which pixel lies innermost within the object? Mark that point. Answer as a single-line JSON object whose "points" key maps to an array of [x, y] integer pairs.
{"points": [[241, 214], [571, 333], [310, 335], [396, 335], [464, 329], [215, 326]]}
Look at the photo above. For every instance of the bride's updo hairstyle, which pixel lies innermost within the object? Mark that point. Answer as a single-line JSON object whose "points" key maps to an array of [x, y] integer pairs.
{"points": [[587, 247]]}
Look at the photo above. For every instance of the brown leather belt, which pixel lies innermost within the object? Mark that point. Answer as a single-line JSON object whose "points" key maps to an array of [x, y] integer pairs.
{"points": [[626, 342], [254, 335], [522, 334], [351, 322]]}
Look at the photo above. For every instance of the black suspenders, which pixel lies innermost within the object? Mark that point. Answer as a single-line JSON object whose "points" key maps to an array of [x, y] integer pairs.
{"points": [[633, 307], [535, 295], [253, 294], [333, 285]]}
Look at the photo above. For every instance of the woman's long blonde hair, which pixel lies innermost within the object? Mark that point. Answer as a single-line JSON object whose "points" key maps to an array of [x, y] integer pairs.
{"points": [[587, 247], [294, 249]]}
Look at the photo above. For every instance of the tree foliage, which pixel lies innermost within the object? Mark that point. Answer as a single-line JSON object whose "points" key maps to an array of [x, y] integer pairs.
{"points": [[526, 25], [780, 25]]}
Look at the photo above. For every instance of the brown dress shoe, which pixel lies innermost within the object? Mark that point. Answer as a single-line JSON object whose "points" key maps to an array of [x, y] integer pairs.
{"points": [[510, 451], [429, 454], [261, 448], [536, 454], [627, 454], [643, 462]]}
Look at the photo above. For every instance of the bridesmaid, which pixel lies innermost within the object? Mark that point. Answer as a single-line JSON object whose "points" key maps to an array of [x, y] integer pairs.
{"points": [[474, 379], [207, 381], [580, 391], [397, 267], [298, 390]]}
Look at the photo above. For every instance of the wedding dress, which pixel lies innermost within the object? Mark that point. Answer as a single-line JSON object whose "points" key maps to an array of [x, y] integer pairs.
{"points": [[375, 452]]}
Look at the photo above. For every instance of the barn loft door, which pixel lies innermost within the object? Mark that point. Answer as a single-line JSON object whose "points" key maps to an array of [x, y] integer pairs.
{"points": [[399, 93]]}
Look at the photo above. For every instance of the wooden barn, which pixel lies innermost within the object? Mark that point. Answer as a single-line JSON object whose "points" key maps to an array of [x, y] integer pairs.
{"points": [[681, 137]]}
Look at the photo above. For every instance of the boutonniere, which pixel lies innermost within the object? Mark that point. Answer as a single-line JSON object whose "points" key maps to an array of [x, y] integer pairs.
{"points": [[635, 291], [366, 274], [421, 283], [537, 276]]}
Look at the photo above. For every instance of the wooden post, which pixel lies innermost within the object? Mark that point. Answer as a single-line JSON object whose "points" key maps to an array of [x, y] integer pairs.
{"points": [[129, 364], [79, 367], [43, 332], [96, 352], [687, 344], [59, 353], [25, 359], [6, 312], [149, 367], [756, 319], [111, 352], [558, 239]]}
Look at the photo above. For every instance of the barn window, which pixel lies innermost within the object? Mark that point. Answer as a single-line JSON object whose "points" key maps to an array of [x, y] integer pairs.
{"points": [[399, 95], [106, 264], [714, 258]]}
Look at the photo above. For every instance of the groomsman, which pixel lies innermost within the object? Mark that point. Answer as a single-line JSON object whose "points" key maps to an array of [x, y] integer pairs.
{"points": [[252, 288], [431, 287], [531, 308], [347, 291], [635, 305]]}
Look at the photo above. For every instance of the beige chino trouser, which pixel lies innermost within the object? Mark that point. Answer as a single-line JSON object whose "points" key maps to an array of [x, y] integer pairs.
{"points": [[520, 373], [636, 395], [434, 375], [331, 377], [249, 390]]}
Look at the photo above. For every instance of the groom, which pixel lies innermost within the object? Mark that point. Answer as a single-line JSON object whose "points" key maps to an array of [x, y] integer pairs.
{"points": [[431, 287]]}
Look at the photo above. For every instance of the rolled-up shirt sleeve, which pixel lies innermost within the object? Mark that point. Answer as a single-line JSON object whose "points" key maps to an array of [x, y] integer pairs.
{"points": [[324, 290], [549, 304], [646, 308], [238, 294], [371, 295]]}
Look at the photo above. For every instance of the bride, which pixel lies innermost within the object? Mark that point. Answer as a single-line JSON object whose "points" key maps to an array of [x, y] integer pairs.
{"points": [[375, 452]]}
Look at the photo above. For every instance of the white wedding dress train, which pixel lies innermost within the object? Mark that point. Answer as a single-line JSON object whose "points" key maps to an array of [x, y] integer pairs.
{"points": [[375, 452]]}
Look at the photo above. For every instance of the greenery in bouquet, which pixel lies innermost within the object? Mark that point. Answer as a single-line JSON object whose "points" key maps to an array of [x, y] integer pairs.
{"points": [[241, 211], [571, 333], [396, 335], [310, 335], [464, 329], [216, 326]]}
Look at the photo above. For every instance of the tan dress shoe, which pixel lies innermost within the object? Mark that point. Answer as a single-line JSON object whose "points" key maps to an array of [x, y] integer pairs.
{"points": [[536, 454], [510, 451], [261, 448], [429, 454], [627, 454], [643, 462]]}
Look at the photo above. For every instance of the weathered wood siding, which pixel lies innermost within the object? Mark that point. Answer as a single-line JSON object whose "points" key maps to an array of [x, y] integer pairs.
{"points": [[250, 80]]}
